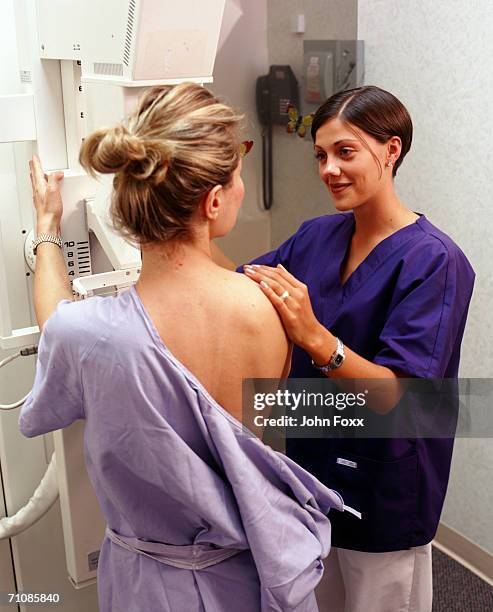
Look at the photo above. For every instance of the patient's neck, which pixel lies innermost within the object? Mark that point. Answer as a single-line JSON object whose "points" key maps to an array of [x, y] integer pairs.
{"points": [[177, 259]]}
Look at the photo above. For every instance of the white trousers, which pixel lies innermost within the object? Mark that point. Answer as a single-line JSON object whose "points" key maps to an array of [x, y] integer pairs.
{"points": [[356, 581]]}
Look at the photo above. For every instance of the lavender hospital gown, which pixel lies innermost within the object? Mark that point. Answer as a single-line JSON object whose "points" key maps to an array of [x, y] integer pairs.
{"points": [[200, 516]]}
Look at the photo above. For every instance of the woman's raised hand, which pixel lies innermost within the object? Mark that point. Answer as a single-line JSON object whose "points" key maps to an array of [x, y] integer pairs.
{"points": [[291, 300], [46, 196]]}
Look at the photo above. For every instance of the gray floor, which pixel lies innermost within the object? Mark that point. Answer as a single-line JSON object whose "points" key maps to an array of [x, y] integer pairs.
{"points": [[456, 589]]}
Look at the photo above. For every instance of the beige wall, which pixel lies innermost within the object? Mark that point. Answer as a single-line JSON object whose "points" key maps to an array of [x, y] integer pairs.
{"points": [[263, 36], [298, 192], [241, 58]]}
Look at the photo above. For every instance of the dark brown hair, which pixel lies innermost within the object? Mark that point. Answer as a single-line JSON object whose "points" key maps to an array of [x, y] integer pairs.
{"points": [[167, 155], [374, 111]]}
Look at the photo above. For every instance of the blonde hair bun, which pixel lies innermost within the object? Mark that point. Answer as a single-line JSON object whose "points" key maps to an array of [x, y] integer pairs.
{"points": [[172, 150], [114, 150]]}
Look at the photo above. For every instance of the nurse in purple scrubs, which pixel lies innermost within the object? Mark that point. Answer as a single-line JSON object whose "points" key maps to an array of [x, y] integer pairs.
{"points": [[375, 291]]}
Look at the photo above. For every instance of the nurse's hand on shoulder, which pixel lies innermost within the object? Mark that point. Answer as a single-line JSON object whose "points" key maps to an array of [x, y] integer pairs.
{"points": [[46, 196], [291, 300]]}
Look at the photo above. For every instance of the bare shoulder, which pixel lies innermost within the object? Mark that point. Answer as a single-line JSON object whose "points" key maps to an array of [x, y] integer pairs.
{"points": [[256, 307], [265, 342], [253, 310]]}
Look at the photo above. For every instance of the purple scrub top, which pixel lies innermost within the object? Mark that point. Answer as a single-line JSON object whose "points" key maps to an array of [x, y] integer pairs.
{"points": [[245, 528], [405, 308]]}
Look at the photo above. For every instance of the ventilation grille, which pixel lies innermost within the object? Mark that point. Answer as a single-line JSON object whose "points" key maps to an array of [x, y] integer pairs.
{"points": [[108, 69], [128, 36], [26, 76]]}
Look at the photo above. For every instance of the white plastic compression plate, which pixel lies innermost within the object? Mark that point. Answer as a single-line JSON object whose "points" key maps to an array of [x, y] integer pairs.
{"points": [[116, 281]]}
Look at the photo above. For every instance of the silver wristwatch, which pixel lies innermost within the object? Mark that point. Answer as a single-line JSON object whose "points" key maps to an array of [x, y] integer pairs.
{"points": [[336, 360], [46, 238]]}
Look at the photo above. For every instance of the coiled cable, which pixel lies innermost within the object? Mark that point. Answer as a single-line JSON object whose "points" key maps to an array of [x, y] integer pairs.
{"points": [[41, 501]]}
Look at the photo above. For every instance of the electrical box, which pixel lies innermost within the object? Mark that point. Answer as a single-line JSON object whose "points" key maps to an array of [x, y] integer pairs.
{"points": [[132, 41], [330, 66]]}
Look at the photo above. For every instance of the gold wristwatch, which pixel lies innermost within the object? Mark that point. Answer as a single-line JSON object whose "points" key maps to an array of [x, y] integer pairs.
{"points": [[46, 238]]}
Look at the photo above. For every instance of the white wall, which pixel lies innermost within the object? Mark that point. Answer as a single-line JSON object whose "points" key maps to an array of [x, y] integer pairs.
{"points": [[436, 57]]}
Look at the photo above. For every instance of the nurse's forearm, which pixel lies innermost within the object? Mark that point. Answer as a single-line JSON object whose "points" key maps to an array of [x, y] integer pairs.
{"points": [[381, 397], [323, 347], [51, 282]]}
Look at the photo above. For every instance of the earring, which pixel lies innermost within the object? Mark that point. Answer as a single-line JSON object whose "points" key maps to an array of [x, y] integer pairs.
{"points": [[389, 164]]}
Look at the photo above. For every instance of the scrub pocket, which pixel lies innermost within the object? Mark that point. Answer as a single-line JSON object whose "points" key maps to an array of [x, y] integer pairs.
{"points": [[386, 494]]}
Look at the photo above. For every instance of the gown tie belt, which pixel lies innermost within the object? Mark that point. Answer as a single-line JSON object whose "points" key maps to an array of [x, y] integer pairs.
{"points": [[190, 557]]}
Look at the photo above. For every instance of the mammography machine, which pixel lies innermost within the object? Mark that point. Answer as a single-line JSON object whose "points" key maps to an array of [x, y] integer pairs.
{"points": [[73, 66]]}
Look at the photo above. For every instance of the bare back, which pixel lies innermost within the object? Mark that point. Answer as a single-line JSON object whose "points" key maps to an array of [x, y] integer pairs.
{"points": [[222, 327]]}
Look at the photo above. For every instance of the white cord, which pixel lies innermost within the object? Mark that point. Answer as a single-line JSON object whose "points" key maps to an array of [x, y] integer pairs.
{"points": [[41, 501], [16, 404], [31, 350], [9, 359], [46, 493]]}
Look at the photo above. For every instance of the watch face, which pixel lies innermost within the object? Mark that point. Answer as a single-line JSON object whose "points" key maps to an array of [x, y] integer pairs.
{"points": [[338, 360]]}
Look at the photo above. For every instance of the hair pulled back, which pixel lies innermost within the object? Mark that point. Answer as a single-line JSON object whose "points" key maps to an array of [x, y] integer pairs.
{"points": [[374, 111], [167, 155]]}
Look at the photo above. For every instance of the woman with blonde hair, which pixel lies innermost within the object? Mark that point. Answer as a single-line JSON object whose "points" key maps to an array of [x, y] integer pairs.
{"points": [[195, 507]]}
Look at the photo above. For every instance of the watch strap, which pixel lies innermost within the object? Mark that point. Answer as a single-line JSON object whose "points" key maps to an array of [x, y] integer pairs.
{"points": [[336, 360]]}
